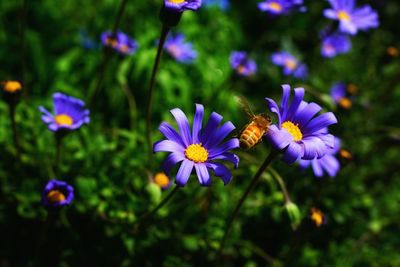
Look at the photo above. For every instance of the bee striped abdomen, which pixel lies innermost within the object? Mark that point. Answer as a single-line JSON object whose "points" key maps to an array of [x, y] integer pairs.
{"points": [[251, 135]]}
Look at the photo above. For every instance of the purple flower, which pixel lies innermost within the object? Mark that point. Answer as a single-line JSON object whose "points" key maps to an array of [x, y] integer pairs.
{"points": [[352, 19], [243, 65], [222, 4], [199, 148], [338, 93], [70, 113], [121, 43], [57, 194], [182, 5], [179, 50], [290, 64], [300, 132], [327, 163], [335, 44], [279, 7]]}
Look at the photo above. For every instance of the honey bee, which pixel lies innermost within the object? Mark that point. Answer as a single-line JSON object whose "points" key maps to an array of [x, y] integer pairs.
{"points": [[253, 132]]}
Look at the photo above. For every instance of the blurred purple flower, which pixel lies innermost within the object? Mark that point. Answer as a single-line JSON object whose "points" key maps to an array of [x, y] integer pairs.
{"points": [[121, 43], [70, 113], [290, 64], [327, 163], [352, 19], [335, 44], [57, 194], [179, 50], [198, 148], [339, 95], [222, 4], [300, 133], [242, 64], [280, 7], [182, 5]]}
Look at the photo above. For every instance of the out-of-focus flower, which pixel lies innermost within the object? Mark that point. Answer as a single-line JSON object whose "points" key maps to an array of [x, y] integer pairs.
{"points": [[180, 50], [57, 194], [121, 42], [290, 64], [352, 19], [339, 95], [243, 65], [199, 148], [222, 4], [280, 7], [327, 163], [87, 42], [12, 90], [70, 113], [345, 154], [335, 44], [182, 5], [392, 51], [300, 133], [162, 180], [317, 217]]}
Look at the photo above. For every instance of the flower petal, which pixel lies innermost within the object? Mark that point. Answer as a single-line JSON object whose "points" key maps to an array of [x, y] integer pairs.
{"points": [[184, 172], [322, 121], [285, 100], [170, 133], [229, 157], [212, 124], [317, 168], [218, 135], [294, 105], [293, 152], [313, 148], [221, 171], [304, 115], [228, 145], [183, 125], [197, 123], [171, 160], [167, 146], [273, 107], [279, 139], [202, 174]]}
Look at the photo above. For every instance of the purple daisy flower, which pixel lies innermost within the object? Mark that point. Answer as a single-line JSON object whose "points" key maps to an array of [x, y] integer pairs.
{"points": [[121, 43], [199, 148], [327, 163], [182, 5], [290, 64], [243, 65], [299, 133], [352, 19], [57, 194], [335, 44], [338, 93], [70, 113], [222, 4], [279, 7], [179, 50]]}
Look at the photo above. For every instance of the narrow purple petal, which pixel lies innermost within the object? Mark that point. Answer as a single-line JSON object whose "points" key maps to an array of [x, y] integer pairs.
{"points": [[183, 125], [228, 145], [218, 135], [197, 123], [170, 133], [212, 124], [202, 174], [167, 146], [306, 114], [171, 160], [294, 105], [279, 139], [320, 122], [273, 107], [184, 172], [229, 157], [285, 100], [220, 171], [317, 168], [293, 152]]}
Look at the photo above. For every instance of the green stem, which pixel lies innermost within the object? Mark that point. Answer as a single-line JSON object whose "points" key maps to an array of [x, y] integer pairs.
{"points": [[281, 183], [59, 137], [249, 188], [163, 36], [12, 107]]}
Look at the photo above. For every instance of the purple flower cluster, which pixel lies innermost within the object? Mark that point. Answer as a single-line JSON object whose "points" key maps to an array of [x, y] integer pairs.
{"points": [[180, 50], [243, 65], [290, 64], [182, 5], [121, 42], [335, 44], [280, 7]]}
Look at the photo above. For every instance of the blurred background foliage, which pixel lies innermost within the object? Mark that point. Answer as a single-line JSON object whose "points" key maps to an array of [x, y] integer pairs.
{"points": [[55, 47]]}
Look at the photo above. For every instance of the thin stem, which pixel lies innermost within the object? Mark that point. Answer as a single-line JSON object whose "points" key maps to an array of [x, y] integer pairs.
{"points": [[281, 183], [249, 188], [163, 36], [59, 139], [22, 38], [131, 103], [12, 107]]}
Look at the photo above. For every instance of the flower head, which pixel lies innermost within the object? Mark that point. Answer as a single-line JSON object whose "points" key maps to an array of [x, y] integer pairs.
{"points": [[300, 132], [335, 44], [222, 4], [121, 42], [280, 7], [290, 64], [243, 65], [351, 19], [57, 194], [162, 180], [12, 91], [182, 5], [179, 49], [198, 148], [317, 217], [339, 94], [70, 113], [327, 163]]}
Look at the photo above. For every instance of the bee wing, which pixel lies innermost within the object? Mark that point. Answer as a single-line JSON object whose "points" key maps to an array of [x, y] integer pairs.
{"points": [[244, 104]]}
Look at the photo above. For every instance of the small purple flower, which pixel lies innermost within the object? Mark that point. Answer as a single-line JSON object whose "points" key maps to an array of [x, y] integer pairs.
{"points": [[222, 4], [352, 19], [121, 43], [327, 163], [243, 65], [179, 50], [335, 44], [280, 7], [290, 64], [182, 5], [199, 148], [57, 194], [339, 95], [70, 113], [300, 132]]}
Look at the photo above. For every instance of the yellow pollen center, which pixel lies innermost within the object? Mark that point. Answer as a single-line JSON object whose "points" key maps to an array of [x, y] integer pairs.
{"points": [[55, 196], [161, 179], [343, 15], [176, 1], [275, 6], [291, 64], [293, 129], [12, 86], [111, 42], [196, 153], [345, 154], [63, 119], [317, 216], [345, 103]]}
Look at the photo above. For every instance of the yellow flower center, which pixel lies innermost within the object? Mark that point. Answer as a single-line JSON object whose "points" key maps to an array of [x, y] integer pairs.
{"points": [[317, 217], [63, 119], [161, 179], [275, 6], [345, 154], [12, 86], [293, 129], [343, 15], [55, 196], [176, 1], [291, 64], [110, 41], [196, 153], [345, 103]]}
